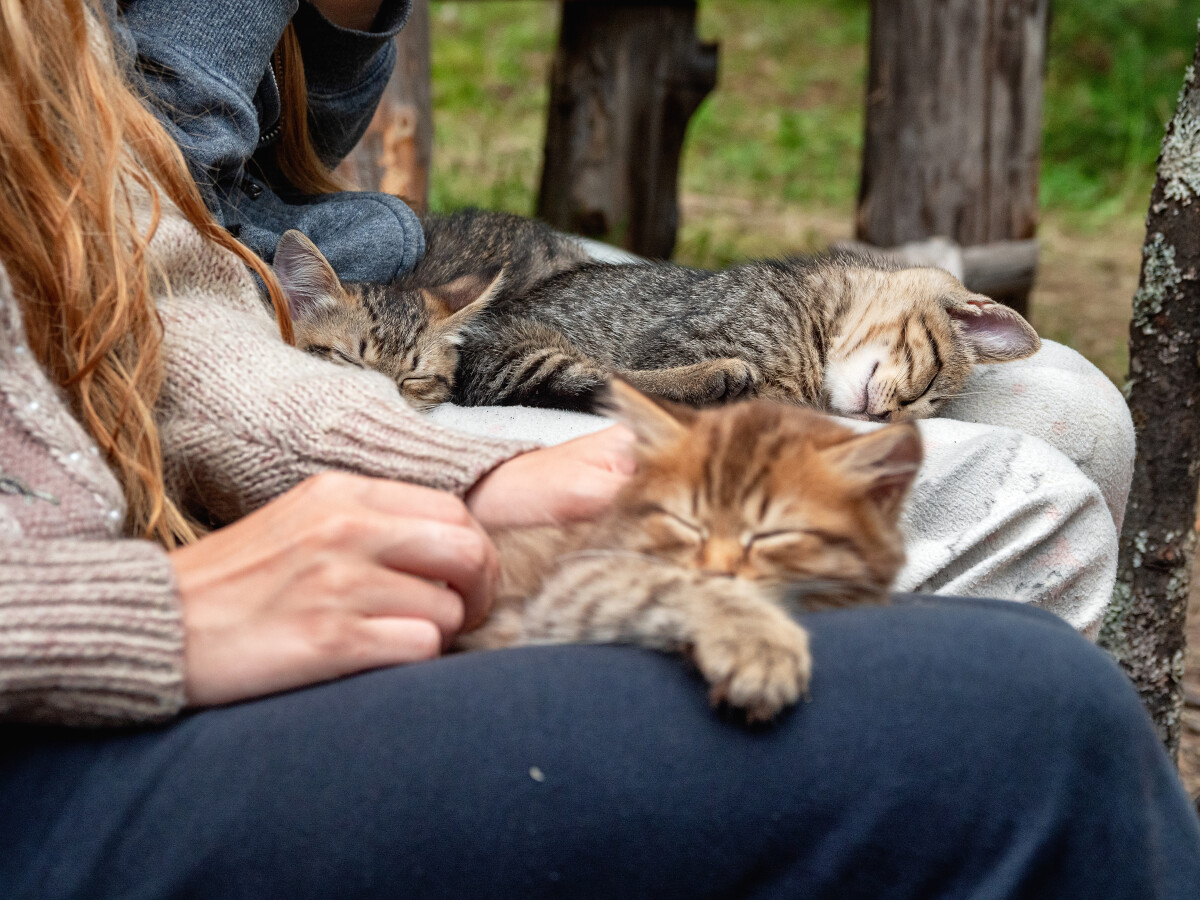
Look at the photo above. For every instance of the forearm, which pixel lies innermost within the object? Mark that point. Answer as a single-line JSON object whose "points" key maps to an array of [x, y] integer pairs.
{"points": [[244, 417], [90, 633]]}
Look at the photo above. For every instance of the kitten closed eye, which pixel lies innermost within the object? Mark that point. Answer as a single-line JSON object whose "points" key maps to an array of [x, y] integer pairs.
{"points": [[780, 536]]}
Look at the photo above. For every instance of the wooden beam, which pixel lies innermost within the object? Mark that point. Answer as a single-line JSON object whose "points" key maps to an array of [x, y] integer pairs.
{"points": [[395, 154], [953, 125], [626, 79], [996, 269]]}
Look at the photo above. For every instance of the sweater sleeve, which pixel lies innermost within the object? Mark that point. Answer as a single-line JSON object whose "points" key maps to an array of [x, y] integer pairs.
{"points": [[91, 633], [245, 417]]}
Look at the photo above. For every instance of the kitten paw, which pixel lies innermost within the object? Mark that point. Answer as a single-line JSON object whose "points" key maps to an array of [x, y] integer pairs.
{"points": [[732, 379], [757, 670]]}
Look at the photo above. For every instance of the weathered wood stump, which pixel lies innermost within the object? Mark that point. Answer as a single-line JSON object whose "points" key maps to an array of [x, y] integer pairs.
{"points": [[1144, 627], [954, 124], [626, 79], [395, 154]]}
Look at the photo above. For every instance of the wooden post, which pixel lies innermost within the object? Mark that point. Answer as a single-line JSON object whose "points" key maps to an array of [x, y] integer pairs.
{"points": [[395, 154], [954, 124], [626, 79], [1144, 627]]}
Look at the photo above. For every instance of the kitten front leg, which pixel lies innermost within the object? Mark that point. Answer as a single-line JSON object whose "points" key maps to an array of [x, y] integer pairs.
{"points": [[711, 381], [529, 366], [755, 657]]}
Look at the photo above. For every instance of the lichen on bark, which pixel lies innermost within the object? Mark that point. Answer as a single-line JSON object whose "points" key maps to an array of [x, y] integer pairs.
{"points": [[1179, 165], [1160, 281]]}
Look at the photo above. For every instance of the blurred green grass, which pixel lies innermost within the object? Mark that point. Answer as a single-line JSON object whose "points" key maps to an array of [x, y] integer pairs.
{"points": [[785, 122], [1114, 72]]}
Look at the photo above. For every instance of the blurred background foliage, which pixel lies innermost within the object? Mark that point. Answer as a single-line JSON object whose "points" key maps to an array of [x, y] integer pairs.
{"points": [[771, 163]]}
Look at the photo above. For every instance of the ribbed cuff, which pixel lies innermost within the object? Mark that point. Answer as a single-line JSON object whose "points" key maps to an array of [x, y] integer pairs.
{"points": [[91, 633], [410, 448], [338, 59]]}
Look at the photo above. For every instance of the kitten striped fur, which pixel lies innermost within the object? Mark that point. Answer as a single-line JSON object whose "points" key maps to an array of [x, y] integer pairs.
{"points": [[409, 333], [505, 310], [737, 518], [856, 335]]}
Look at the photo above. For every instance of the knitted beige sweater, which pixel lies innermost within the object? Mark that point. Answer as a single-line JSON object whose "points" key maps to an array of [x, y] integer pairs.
{"points": [[90, 623]]}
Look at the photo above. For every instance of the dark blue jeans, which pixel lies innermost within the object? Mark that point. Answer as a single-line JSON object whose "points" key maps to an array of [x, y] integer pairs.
{"points": [[951, 749]]}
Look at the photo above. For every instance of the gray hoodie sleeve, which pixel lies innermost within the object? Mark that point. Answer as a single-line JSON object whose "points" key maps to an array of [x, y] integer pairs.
{"points": [[346, 72], [205, 66]]}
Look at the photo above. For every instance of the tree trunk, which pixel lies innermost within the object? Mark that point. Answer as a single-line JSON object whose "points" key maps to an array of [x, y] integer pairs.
{"points": [[395, 153], [626, 79], [1144, 627], [954, 124]]}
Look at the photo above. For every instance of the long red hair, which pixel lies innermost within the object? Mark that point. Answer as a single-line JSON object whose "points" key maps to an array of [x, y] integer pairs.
{"points": [[76, 146]]}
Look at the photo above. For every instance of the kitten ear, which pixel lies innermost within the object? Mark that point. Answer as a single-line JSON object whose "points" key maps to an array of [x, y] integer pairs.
{"points": [[307, 279], [654, 424], [884, 461], [994, 332], [467, 294]]}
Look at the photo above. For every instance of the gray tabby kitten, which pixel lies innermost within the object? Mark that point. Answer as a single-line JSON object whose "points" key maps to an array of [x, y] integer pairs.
{"points": [[528, 319], [411, 329]]}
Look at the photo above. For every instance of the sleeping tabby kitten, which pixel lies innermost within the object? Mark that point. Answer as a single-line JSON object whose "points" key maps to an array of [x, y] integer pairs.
{"points": [[856, 335], [409, 333], [530, 321], [738, 516]]}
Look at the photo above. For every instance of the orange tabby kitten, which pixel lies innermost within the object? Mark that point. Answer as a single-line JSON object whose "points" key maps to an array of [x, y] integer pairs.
{"points": [[737, 517]]}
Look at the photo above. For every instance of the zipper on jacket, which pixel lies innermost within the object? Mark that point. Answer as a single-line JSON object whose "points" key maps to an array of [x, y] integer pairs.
{"points": [[276, 73]]}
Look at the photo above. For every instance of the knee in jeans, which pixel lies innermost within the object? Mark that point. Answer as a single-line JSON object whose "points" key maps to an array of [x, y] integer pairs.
{"points": [[1072, 699]]}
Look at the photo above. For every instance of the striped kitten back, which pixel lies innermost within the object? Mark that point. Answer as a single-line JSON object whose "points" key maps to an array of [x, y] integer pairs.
{"points": [[851, 334], [737, 518]]}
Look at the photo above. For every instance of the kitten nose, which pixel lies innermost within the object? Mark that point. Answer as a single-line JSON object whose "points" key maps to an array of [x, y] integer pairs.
{"points": [[721, 557], [880, 417]]}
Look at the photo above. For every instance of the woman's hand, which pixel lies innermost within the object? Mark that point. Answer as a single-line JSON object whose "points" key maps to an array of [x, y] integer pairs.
{"points": [[565, 483], [341, 574]]}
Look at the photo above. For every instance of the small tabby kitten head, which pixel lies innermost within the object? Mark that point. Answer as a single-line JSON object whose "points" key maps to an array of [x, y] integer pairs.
{"points": [[409, 334], [769, 492], [910, 338]]}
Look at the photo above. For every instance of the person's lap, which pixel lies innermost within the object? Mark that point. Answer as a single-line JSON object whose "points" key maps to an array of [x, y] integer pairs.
{"points": [[1010, 503], [950, 748]]}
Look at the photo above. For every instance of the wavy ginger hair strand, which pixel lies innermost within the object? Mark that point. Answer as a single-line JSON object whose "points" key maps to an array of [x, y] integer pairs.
{"points": [[76, 145]]}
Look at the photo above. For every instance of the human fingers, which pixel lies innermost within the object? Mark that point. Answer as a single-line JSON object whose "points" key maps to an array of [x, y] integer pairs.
{"points": [[384, 593], [564, 483], [342, 489], [461, 557], [589, 497], [611, 449], [340, 646], [396, 640]]}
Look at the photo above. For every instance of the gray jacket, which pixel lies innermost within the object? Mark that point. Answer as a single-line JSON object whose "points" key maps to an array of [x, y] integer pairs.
{"points": [[206, 67]]}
